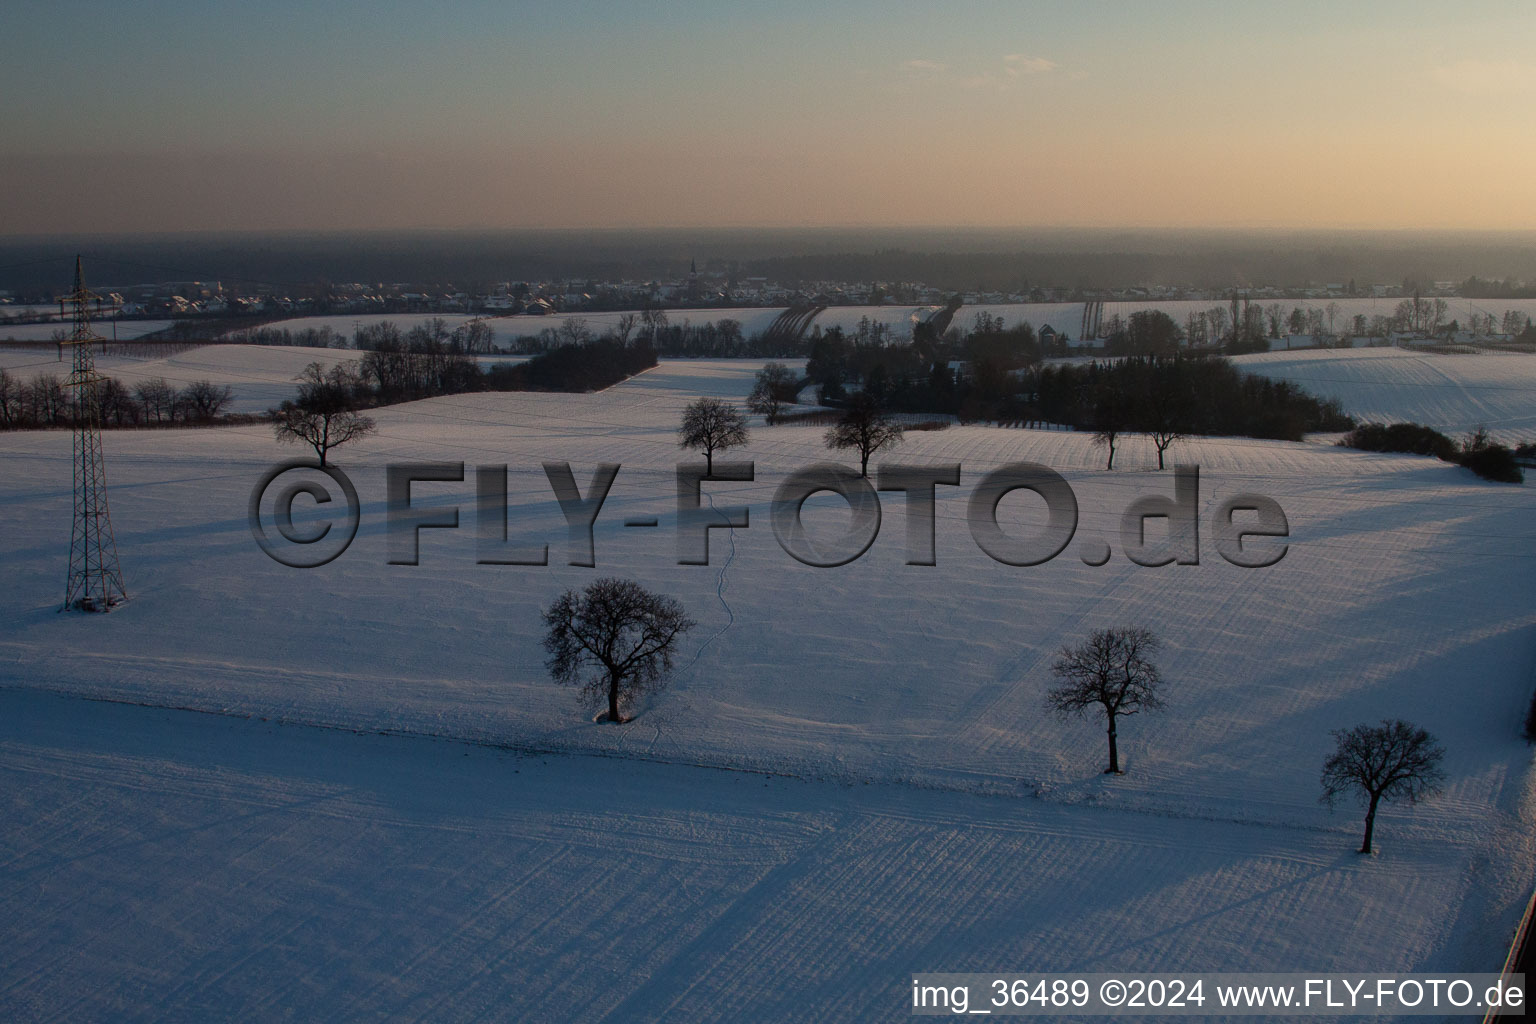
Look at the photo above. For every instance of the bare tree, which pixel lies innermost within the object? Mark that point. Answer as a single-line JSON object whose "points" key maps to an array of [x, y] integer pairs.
{"points": [[10, 398], [46, 400], [157, 396], [709, 426], [574, 331], [1390, 761], [1216, 319], [615, 640], [205, 400], [773, 389], [1112, 669], [114, 402], [475, 336], [1194, 328], [325, 414], [653, 319], [1275, 314], [1316, 324], [625, 327], [1161, 411], [864, 426], [1111, 417]]}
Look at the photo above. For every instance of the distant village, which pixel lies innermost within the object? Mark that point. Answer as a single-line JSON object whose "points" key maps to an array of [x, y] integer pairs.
{"points": [[697, 290]]}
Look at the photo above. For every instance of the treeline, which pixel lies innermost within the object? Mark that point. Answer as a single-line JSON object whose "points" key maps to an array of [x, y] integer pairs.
{"points": [[587, 366], [305, 337], [45, 401], [1181, 395], [1476, 288], [405, 373], [713, 339], [997, 374], [974, 374], [470, 337], [424, 368]]}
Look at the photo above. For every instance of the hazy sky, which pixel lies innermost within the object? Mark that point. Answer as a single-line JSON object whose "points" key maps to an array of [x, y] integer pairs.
{"points": [[171, 115]]}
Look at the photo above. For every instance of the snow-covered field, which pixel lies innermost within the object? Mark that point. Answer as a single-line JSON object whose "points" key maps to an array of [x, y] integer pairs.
{"points": [[928, 812], [1452, 393]]}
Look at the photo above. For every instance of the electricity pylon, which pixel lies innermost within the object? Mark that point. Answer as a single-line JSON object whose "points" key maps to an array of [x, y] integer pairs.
{"points": [[95, 579]]}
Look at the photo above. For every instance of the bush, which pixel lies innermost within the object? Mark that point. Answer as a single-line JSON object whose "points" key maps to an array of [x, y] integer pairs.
{"points": [[1413, 438], [1489, 459]]}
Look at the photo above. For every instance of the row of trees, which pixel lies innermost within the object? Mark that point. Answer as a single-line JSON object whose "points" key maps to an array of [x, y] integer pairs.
{"points": [[710, 425], [472, 337], [1243, 326], [305, 337], [712, 339], [1113, 672], [45, 401]]}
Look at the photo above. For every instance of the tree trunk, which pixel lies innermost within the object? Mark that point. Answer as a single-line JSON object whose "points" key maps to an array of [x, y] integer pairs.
{"points": [[1159, 456], [1114, 750], [864, 466], [709, 462], [1370, 824], [1111, 454]]}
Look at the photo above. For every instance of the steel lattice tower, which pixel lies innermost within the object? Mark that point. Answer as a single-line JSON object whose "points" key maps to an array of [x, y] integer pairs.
{"points": [[95, 579]]}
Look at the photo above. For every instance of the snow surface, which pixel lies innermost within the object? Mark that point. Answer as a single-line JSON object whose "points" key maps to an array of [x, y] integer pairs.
{"points": [[1452, 393], [175, 866], [939, 817]]}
